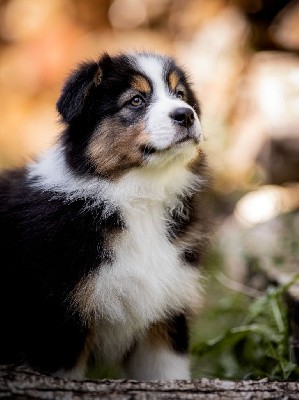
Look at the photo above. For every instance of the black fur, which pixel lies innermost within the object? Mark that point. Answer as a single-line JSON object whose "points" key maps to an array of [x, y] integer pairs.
{"points": [[48, 247], [91, 102], [76, 91], [178, 333]]}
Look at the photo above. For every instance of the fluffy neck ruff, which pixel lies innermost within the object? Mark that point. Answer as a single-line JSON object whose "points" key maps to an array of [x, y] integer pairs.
{"points": [[157, 182]]}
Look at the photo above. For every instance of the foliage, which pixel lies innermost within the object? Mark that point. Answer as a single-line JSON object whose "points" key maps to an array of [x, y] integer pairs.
{"points": [[250, 338]]}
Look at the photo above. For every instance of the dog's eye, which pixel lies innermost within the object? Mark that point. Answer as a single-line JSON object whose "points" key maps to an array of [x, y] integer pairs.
{"points": [[181, 95], [136, 101]]}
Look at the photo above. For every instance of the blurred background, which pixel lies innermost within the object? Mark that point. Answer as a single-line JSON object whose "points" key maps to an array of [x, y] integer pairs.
{"points": [[242, 56]]}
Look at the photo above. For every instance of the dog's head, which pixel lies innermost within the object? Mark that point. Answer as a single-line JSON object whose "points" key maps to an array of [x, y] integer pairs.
{"points": [[126, 112]]}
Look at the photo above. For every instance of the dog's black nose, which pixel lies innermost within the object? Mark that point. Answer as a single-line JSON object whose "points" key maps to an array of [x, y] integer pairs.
{"points": [[183, 116]]}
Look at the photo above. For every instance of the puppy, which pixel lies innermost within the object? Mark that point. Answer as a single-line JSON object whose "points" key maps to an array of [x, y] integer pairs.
{"points": [[101, 237]]}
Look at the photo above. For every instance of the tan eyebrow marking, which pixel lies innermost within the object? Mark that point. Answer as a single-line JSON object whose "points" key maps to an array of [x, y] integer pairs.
{"points": [[140, 84], [173, 80]]}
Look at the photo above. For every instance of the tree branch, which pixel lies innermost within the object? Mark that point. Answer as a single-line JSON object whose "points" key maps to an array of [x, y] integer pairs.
{"points": [[21, 383]]}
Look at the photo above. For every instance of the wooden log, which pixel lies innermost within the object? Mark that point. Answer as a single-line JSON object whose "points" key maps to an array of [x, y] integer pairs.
{"points": [[21, 383]]}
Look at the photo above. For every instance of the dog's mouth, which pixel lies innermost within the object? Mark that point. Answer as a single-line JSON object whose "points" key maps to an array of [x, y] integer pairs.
{"points": [[150, 149]]}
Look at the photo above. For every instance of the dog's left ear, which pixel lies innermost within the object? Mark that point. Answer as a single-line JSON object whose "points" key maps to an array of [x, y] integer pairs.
{"points": [[76, 90]]}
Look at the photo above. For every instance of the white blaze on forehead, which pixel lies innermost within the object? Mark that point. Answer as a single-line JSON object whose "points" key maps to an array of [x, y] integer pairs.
{"points": [[153, 68], [159, 124]]}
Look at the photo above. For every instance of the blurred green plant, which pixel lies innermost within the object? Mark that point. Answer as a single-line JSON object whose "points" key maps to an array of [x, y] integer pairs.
{"points": [[252, 337]]}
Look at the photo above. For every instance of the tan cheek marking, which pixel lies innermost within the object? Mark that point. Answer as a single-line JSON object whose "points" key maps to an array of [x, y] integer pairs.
{"points": [[115, 149], [140, 84], [173, 81]]}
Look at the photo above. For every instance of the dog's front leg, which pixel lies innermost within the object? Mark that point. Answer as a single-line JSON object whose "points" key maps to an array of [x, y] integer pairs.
{"points": [[161, 353]]}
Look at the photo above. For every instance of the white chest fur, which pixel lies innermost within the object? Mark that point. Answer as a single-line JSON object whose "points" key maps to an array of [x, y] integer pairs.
{"points": [[147, 281]]}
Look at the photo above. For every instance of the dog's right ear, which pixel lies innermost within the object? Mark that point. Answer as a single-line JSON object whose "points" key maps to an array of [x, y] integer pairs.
{"points": [[76, 89]]}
